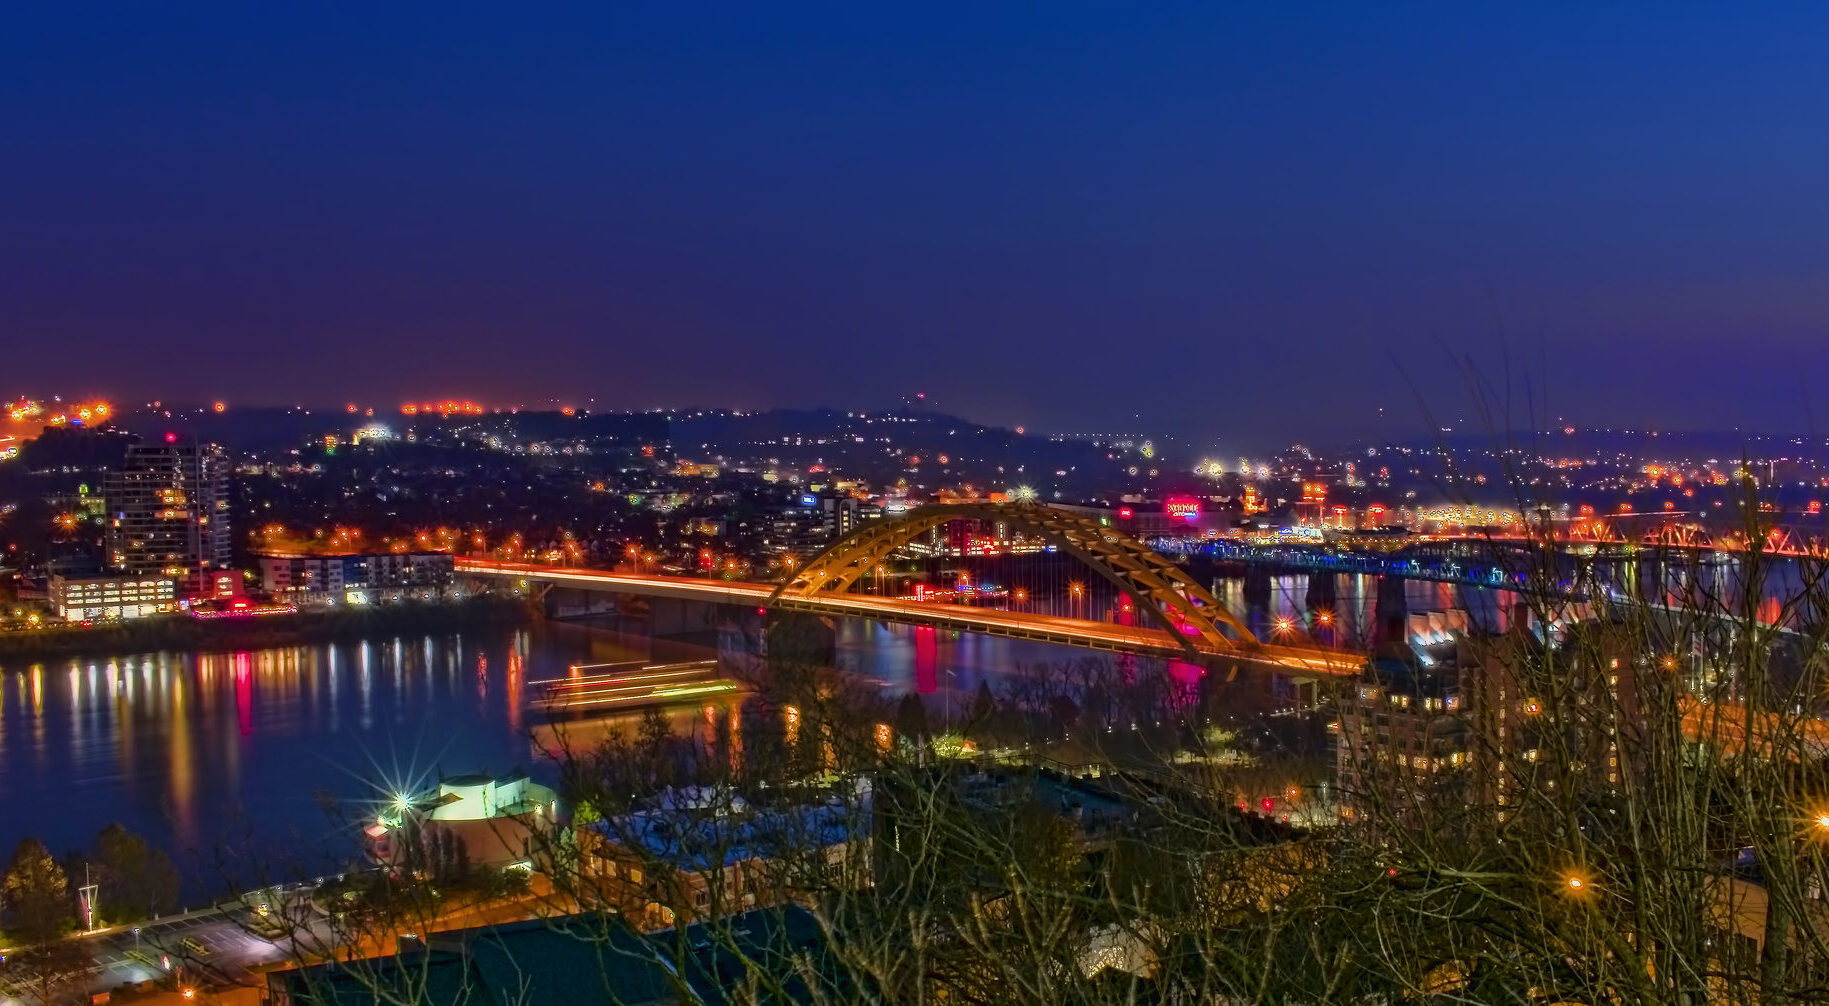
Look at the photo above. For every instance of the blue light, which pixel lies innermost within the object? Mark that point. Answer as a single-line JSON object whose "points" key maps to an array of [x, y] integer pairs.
{"points": [[809, 500]]}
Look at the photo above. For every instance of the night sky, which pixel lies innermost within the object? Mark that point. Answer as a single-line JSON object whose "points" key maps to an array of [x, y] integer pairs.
{"points": [[1228, 219]]}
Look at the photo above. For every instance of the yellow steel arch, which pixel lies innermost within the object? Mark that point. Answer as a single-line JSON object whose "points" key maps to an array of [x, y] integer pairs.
{"points": [[1154, 583]]}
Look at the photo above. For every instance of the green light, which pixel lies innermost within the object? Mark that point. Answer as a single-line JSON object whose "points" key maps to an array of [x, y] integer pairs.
{"points": [[679, 690]]}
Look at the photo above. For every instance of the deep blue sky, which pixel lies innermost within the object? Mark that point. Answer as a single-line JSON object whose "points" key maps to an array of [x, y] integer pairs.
{"points": [[1227, 218]]}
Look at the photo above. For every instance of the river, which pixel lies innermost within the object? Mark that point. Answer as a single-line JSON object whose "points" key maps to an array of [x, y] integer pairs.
{"points": [[269, 755], [248, 758]]}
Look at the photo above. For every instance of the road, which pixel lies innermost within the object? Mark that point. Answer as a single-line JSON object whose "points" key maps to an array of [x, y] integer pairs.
{"points": [[992, 621], [219, 947]]}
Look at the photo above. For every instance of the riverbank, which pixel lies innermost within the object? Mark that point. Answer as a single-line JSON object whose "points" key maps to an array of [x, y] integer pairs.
{"points": [[182, 632]]}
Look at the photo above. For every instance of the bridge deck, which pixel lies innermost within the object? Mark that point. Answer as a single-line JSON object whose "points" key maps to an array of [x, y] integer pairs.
{"points": [[1013, 624]]}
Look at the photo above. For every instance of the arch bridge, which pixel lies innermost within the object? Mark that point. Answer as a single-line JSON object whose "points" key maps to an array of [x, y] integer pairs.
{"points": [[1187, 616], [1188, 621]]}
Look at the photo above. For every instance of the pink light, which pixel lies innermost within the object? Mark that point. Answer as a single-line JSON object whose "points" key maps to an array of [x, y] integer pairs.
{"points": [[246, 612]]}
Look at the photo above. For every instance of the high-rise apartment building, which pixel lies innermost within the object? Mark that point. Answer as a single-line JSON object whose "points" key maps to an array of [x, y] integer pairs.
{"points": [[168, 511], [1441, 722]]}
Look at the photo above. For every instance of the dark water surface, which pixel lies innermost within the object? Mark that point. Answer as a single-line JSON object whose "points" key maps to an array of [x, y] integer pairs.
{"points": [[263, 756], [240, 753]]}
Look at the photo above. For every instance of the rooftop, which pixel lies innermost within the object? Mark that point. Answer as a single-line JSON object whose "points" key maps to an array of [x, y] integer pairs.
{"points": [[697, 838], [574, 961]]}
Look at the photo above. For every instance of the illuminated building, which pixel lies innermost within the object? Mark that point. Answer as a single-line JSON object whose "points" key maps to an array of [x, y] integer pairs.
{"points": [[168, 511], [1443, 719], [104, 598], [1174, 517], [356, 578], [815, 519], [1312, 510], [1402, 732], [499, 822], [80, 504], [695, 853]]}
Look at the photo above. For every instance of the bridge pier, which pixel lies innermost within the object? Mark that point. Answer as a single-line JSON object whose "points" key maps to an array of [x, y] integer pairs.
{"points": [[682, 631], [1390, 613], [561, 603], [1233, 693], [747, 641], [1257, 589], [801, 639], [742, 642]]}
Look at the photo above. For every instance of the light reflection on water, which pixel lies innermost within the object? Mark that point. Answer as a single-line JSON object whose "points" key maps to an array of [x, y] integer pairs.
{"points": [[194, 750], [199, 751]]}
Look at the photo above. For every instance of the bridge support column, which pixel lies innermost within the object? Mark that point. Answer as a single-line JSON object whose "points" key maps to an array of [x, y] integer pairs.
{"points": [[801, 639], [681, 631], [1257, 589], [562, 602], [1234, 694], [742, 642], [1391, 613]]}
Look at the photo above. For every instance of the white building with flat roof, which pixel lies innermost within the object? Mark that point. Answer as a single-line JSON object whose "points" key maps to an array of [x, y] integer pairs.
{"points": [[104, 598]]}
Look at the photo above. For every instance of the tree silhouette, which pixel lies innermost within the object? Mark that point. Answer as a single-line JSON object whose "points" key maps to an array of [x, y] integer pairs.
{"points": [[137, 881]]}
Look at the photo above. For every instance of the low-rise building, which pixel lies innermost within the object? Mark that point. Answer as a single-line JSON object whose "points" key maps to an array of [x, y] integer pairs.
{"points": [[355, 578], [287, 573], [700, 853], [104, 598], [499, 822]]}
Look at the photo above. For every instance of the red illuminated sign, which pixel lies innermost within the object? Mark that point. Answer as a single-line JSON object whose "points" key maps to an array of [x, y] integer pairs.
{"points": [[1182, 507], [1125, 513]]}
